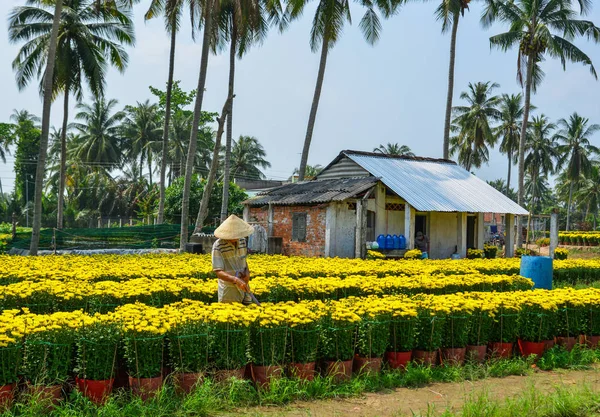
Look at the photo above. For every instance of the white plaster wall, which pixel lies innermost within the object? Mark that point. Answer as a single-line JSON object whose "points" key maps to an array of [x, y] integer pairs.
{"points": [[442, 234], [343, 240]]}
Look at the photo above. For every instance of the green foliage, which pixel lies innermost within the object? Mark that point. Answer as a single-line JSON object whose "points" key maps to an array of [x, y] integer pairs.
{"points": [[337, 340], [48, 356], [475, 254], [480, 327], [402, 334], [144, 355], [28, 143], [430, 330], [505, 327], [97, 351], [490, 251], [267, 345], [179, 98], [456, 331], [188, 347], [561, 253], [304, 342], [373, 335], [534, 323], [174, 193], [228, 348], [10, 363]]}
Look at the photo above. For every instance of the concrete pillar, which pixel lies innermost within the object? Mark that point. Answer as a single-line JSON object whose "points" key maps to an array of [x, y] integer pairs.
{"points": [[409, 226], [480, 228], [330, 229], [553, 232], [509, 240], [270, 221], [360, 249], [246, 213], [461, 234], [380, 213]]}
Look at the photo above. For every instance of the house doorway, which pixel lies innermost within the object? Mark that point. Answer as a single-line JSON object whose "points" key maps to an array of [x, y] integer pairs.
{"points": [[421, 224], [471, 228], [370, 226]]}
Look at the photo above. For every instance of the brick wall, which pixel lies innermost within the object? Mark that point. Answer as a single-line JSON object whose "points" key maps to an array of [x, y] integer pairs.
{"points": [[282, 227]]}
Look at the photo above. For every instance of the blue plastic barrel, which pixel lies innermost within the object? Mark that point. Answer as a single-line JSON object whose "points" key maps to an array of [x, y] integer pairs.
{"points": [[402, 242], [389, 242], [396, 241], [538, 269], [381, 242]]}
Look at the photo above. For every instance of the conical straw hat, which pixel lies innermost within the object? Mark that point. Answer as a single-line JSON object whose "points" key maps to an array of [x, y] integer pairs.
{"points": [[233, 228]]}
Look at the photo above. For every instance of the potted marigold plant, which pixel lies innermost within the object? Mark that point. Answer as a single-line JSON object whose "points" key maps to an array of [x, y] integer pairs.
{"points": [[534, 326], [97, 345], [478, 337], [338, 341], [373, 334], [455, 337], [304, 328], [592, 328], [402, 337], [11, 353], [570, 323], [188, 352], [430, 328], [268, 335], [504, 330]]}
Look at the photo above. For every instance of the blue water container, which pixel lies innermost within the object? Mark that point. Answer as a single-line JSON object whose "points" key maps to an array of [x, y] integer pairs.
{"points": [[538, 269], [381, 242], [402, 242], [396, 241], [389, 242]]}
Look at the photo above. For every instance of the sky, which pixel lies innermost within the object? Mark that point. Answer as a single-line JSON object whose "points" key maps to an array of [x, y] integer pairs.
{"points": [[394, 91]]}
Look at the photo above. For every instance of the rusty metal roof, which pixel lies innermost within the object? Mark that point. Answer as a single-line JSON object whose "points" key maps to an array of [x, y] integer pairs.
{"points": [[435, 185], [313, 192]]}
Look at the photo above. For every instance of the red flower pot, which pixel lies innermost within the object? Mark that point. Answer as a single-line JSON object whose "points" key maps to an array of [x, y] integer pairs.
{"points": [[96, 391], [453, 356], [305, 371], [263, 375], [339, 370], [531, 348], [225, 374], [501, 350], [476, 353], [46, 393], [592, 341], [398, 360], [7, 395], [548, 344], [567, 342], [145, 388], [424, 357], [362, 365], [186, 382]]}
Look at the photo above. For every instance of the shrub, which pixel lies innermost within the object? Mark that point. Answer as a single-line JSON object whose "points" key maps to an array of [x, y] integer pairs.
{"points": [[561, 253], [490, 251], [524, 252], [543, 242], [475, 254]]}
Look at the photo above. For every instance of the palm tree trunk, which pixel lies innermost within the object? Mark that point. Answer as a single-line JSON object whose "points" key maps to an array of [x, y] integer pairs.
{"points": [[190, 157], [227, 162], [509, 171], [450, 86], [63, 161], [569, 206], [313, 110], [149, 162], [528, 82], [214, 166], [47, 104], [165, 138]]}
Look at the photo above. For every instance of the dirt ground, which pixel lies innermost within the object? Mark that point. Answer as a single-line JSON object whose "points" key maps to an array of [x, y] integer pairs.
{"points": [[409, 402]]}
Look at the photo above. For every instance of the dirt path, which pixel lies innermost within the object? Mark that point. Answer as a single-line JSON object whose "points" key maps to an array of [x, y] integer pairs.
{"points": [[406, 401]]}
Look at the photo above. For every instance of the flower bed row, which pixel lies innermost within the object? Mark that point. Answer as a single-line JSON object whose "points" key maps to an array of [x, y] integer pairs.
{"points": [[579, 238], [125, 267], [192, 337], [51, 295]]}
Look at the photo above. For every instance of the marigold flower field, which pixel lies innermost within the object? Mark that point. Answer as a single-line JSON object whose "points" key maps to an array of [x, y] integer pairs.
{"points": [[96, 317]]}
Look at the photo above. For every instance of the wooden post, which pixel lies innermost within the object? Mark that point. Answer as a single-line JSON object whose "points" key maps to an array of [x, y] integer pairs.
{"points": [[509, 241], [360, 248], [480, 230], [14, 226], [461, 234], [409, 226]]}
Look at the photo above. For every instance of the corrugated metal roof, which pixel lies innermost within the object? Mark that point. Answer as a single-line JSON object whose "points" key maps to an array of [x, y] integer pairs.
{"points": [[436, 185], [313, 192]]}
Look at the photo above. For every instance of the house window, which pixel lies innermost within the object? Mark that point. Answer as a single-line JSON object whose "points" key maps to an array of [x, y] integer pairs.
{"points": [[299, 227]]}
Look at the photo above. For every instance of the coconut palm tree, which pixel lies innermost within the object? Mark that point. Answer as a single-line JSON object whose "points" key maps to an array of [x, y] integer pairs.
{"points": [[89, 39], [473, 125], [589, 193], [576, 151], [449, 12], [539, 28], [99, 129], [311, 172], [247, 157], [241, 24], [394, 149], [327, 26], [511, 109], [142, 129]]}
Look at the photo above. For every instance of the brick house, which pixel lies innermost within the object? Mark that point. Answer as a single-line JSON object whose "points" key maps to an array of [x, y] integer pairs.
{"points": [[361, 195]]}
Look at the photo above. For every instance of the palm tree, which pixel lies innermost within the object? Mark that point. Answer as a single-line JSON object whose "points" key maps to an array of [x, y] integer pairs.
{"points": [[472, 124], [511, 109], [141, 128], [394, 149], [328, 23], [172, 10], [88, 38], [242, 23], [450, 11], [247, 157], [208, 10], [311, 172], [99, 134], [589, 192], [538, 28], [576, 150]]}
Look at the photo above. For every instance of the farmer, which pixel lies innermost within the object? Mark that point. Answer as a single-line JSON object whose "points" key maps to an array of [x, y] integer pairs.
{"points": [[422, 242], [229, 260]]}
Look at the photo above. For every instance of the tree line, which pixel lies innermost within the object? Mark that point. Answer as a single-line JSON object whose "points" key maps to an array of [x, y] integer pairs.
{"points": [[63, 63]]}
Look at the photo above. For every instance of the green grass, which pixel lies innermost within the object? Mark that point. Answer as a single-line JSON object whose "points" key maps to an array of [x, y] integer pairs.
{"points": [[211, 398]]}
